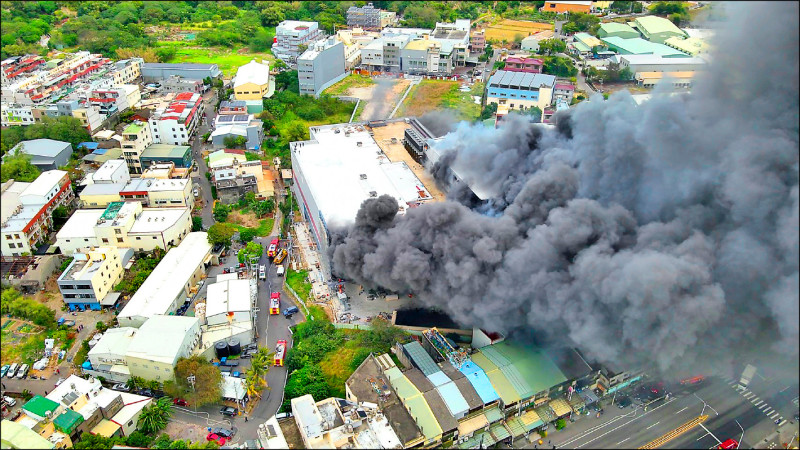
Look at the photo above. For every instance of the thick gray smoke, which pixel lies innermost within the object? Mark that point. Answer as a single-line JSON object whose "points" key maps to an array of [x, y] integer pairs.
{"points": [[665, 232], [439, 122]]}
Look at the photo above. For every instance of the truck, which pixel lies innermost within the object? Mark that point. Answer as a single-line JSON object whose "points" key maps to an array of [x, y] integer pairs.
{"points": [[262, 272], [281, 270], [272, 250], [729, 444], [275, 303], [280, 353], [279, 257]]}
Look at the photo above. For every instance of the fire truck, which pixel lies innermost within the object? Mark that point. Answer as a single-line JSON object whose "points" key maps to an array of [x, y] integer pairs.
{"points": [[280, 353], [272, 250], [275, 303], [729, 444]]}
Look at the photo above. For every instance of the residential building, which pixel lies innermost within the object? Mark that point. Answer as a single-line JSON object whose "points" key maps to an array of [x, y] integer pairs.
{"points": [[18, 436], [170, 283], [107, 356], [563, 91], [109, 100], [177, 84], [126, 71], [27, 210], [584, 43], [15, 114], [175, 123], [657, 63], [112, 171], [232, 189], [367, 17], [124, 225], [531, 43], [152, 192], [454, 38], [253, 81], [321, 66], [657, 29], [567, 6], [388, 18], [619, 30], [292, 37], [692, 46], [639, 46], [232, 107], [477, 41], [180, 155], [225, 157], [239, 125], [529, 65], [336, 170], [161, 71], [424, 56], [159, 343], [520, 90], [166, 171], [136, 137], [88, 280], [46, 154], [19, 66]]}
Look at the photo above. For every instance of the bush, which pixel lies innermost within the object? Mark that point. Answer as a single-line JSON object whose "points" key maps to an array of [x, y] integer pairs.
{"points": [[560, 423], [25, 308], [197, 224]]}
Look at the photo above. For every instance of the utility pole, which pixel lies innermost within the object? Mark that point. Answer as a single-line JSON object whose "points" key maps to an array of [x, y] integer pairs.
{"points": [[191, 379]]}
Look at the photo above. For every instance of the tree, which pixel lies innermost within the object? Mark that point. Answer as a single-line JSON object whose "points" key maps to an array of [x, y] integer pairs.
{"points": [[535, 112], [552, 46], [250, 250], [261, 41], [559, 66], [18, 167], [488, 111], [197, 224], [221, 234], [207, 381], [139, 439], [60, 216], [263, 208], [92, 441], [221, 212], [296, 131], [154, 417], [560, 423], [272, 16], [247, 235], [234, 141]]}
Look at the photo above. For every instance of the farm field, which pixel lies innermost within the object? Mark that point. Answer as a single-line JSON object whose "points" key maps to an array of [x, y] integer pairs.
{"points": [[431, 95], [509, 30]]}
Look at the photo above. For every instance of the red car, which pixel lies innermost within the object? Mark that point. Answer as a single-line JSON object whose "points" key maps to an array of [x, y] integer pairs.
{"points": [[179, 402], [217, 438]]}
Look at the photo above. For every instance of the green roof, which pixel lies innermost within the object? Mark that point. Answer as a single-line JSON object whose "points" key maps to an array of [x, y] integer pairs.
{"points": [[536, 368], [639, 46], [581, 47], [616, 29], [493, 414], [650, 25], [67, 421], [39, 406], [165, 151], [422, 414], [16, 435], [133, 128], [499, 432]]}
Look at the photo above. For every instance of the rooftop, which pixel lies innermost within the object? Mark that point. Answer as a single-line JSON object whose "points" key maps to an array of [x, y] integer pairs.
{"points": [[83, 267], [42, 147], [133, 128], [480, 382], [415, 403], [655, 24], [44, 184], [165, 151], [115, 341], [658, 59], [17, 435], [81, 224], [639, 46], [160, 338], [252, 72], [307, 415], [107, 169], [521, 79], [168, 278], [40, 406], [227, 296], [614, 27]]}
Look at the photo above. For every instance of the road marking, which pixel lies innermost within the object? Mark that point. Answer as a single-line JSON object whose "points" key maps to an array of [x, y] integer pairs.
{"points": [[732, 382], [620, 442], [626, 423], [749, 395], [675, 433], [651, 426], [682, 409], [774, 415], [760, 402], [764, 407], [782, 422]]}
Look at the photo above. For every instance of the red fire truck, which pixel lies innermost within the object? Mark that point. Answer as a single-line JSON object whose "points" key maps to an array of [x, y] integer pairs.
{"points": [[280, 353], [275, 303], [272, 250]]}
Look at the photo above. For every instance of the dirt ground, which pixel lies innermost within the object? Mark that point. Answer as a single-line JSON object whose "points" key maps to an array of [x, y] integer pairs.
{"points": [[177, 429], [380, 100], [248, 220], [508, 29], [425, 98]]}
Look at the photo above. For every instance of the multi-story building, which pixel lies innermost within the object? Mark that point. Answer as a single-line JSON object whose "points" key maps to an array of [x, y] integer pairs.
{"points": [[240, 125], [18, 67], [136, 137], [88, 280], [46, 154], [292, 37], [155, 193], [477, 41], [15, 114], [520, 90], [367, 17], [424, 56], [454, 38], [27, 210], [112, 171], [126, 71], [353, 40], [232, 107], [321, 66], [253, 82], [161, 71], [109, 101], [175, 123], [388, 18], [125, 225], [159, 343], [563, 91], [177, 84], [234, 180], [529, 65], [180, 155]]}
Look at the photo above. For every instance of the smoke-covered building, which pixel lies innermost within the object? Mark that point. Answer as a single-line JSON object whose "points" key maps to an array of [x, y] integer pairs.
{"points": [[337, 169]]}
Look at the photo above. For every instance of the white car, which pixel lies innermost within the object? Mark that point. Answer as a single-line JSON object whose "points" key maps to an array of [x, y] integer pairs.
{"points": [[196, 193], [9, 401]]}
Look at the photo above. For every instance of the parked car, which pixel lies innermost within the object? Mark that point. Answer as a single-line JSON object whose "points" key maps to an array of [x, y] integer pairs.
{"points": [[229, 411], [216, 438], [122, 387], [283, 416], [624, 402], [179, 402], [224, 432], [59, 381], [12, 370], [146, 392], [9, 401], [4, 370], [289, 311]]}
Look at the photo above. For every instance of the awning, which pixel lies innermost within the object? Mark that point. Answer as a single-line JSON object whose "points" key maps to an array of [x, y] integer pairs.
{"points": [[576, 402], [546, 413], [110, 299], [531, 420], [106, 428], [493, 414], [499, 432], [588, 396], [560, 407], [471, 425]]}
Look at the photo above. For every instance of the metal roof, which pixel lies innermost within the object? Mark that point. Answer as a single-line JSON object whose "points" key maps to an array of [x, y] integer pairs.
{"points": [[68, 421], [39, 406], [480, 382], [516, 80], [453, 399], [48, 148], [421, 358]]}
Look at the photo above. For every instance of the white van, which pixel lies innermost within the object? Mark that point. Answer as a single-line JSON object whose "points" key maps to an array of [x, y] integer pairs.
{"points": [[23, 371], [280, 271], [12, 370], [262, 272]]}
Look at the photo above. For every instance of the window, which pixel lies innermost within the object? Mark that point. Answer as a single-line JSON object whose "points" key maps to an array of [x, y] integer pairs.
{"points": [[138, 238], [117, 231], [11, 245], [119, 240], [154, 237], [16, 236], [8, 236]]}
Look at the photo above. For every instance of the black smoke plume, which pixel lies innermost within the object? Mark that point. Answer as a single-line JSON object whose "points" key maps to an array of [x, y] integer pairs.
{"points": [[662, 233]]}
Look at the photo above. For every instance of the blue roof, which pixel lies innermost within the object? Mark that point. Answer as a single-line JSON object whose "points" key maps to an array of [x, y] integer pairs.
{"points": [[100, 151], [516, 80], [453, 399], [88, 145], [438, 378], [477, 377]]}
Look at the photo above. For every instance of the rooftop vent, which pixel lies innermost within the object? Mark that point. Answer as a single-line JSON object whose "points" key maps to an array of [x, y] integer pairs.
{"points": [[363, 176], [373, 194]]}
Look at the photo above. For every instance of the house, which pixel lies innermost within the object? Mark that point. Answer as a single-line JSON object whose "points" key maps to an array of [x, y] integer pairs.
{"points": [[477, 41], [152, 192], [567, 6], [321, 66], [126, 225], [176, 122], [235, 126], [529, 65], [15, 435], [159, 343], [657, 29], [232, 189], [152, 72], [171, 282], [46, 154], [88, 280], [27, 210], [253, 81], [563, 91], [229, 303], [291, 36], [112, 171], [619, 30], [180, 155], [531, 43], [520, 90], [136, 137], [225, 157], [12, 114]]}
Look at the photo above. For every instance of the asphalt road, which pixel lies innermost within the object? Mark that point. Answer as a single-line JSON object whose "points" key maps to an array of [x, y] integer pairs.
{"points": [[199, 179]]}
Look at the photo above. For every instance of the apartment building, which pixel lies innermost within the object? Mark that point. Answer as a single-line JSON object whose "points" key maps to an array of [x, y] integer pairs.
{"points": [[154, 193], [367, 17], [520, 90], [19, 66], [126, 71], [477, 41], [15, 114], [291, 36], [27, 210], [88, 280], [175, 123], [235, 180], [321, 66], [136, 137]]}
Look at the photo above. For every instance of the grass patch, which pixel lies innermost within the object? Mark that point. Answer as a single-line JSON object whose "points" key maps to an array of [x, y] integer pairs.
{"points": [[431, 95], [336, 367], [353, 80], [228, 59], [360, 109], [298, 281], [263, 230]]}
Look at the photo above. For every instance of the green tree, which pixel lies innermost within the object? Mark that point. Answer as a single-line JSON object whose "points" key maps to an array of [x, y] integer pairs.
{"points": [[154, 417], [534, 112], [234, 141], [261, 41], [272, 16], [94, 441], [207, 380], [138, 439], [247, 235], [197, 223], [250, 250], [221, 212], [488, 111], [18, 167], [60, 216], [552, 46], [264, 207], [559, 66], [560, 423], [221, 234], [296, 131]]}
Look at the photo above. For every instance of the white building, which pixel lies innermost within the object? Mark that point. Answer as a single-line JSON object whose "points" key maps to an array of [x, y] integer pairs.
{"points": [[655, 63], [175, 123], [126, 71], [12, 114], [339, 168], [170, 283], [321, 66], [290, 35], [107, 357], [253, 81], [112, 171], [136, 137], [152, 192], [159, 343], [228, 297]]}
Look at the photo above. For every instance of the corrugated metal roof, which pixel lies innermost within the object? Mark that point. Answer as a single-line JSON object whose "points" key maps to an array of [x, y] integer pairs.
{"points": [[499, 432], [508, 394], [453, 399], [493, 414], [517, 381], [531, 420], [438, 378], [480, 382], [39, 406], [421, 358]]}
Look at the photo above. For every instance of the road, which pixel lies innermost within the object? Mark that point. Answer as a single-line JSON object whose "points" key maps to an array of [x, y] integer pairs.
{"points": [[199, 179]]}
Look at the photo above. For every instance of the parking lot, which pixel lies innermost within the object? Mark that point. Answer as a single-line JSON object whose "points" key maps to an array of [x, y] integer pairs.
{"points": [[363, 305]]}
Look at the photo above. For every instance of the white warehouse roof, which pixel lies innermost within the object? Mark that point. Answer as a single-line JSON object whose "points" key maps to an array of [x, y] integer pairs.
{"points": [[226, 296], [166, 281], [252, 72], [160, 338]]}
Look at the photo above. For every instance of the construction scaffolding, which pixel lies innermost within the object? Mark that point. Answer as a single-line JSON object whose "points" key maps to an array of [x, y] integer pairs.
{"points": [[456, 356]]}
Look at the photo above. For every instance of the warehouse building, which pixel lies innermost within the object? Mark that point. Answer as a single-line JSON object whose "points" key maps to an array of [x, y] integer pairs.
{"points": [[619, 30], [657, 63], [657, 29], [159, 343], [639, 46], [46, 154], [520, 90], [161, 71]]}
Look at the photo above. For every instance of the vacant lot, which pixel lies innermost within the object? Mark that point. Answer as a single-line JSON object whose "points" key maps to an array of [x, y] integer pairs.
{"points": [[351, 81], [380, 97], [431, 95], [228, 60], [509, 30]]}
